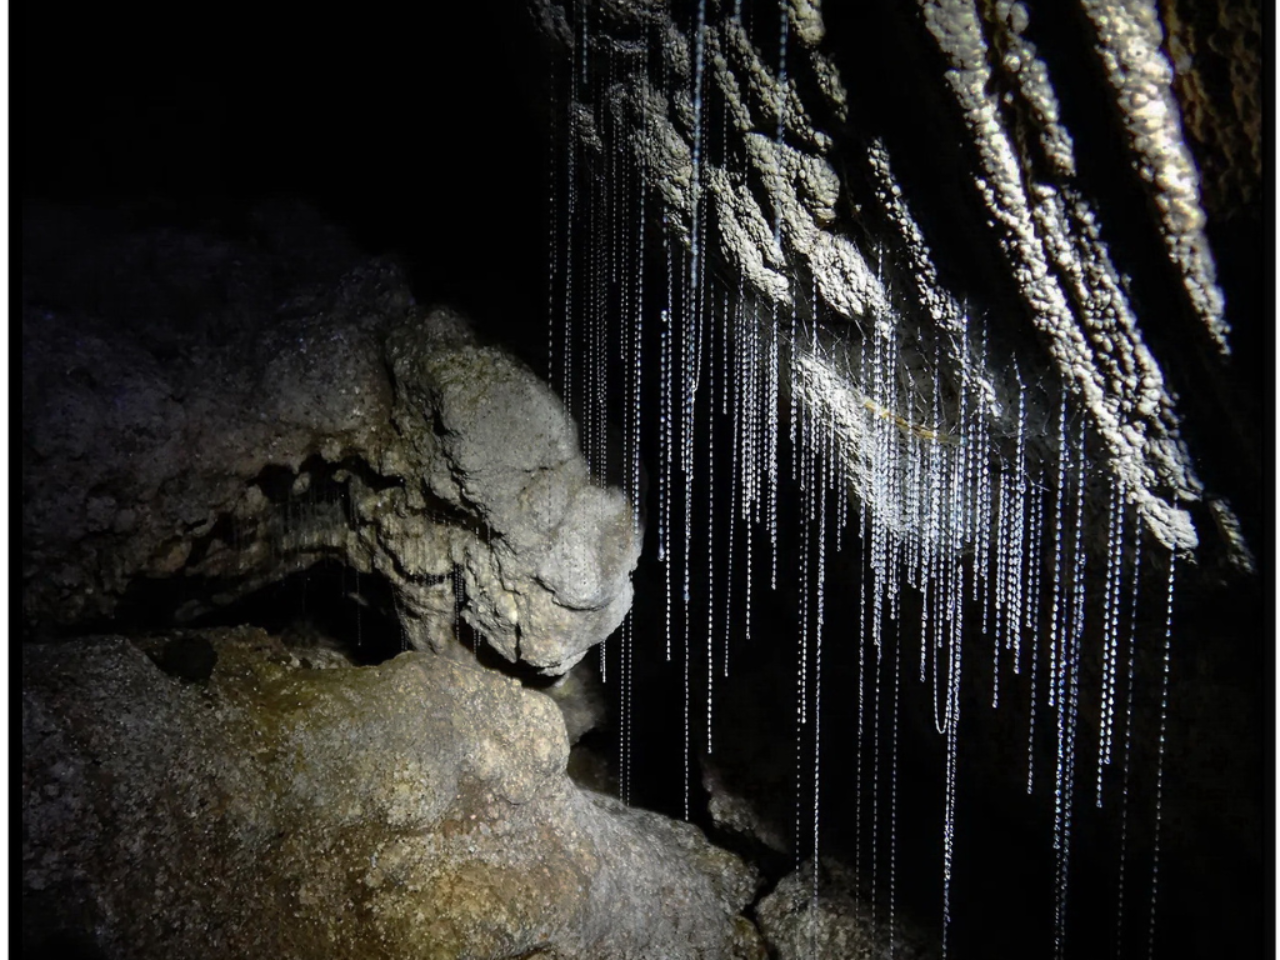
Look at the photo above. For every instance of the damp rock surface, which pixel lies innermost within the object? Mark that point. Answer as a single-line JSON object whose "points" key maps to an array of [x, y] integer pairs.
{"points": [[839, 924], [418, 808], [200, 422]]}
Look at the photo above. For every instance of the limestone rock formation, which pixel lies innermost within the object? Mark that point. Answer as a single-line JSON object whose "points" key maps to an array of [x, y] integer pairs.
{"points": [[804, 203], [346, 423], [414, 809], [839, 924]]}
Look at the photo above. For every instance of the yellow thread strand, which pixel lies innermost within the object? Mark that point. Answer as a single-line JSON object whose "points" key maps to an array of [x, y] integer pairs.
{"points": [[924, 433]]}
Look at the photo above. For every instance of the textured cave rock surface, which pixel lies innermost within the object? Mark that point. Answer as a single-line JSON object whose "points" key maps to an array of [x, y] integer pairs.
{"points": [[79, 274], [841, 925], [951, 91], [418, 808], [204, 415], [947, 158], [581, 699]]}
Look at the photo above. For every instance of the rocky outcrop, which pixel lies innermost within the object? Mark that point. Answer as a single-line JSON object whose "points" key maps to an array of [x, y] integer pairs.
{"points": [[191, 467], [414, 809], [838, 924], [814, 200], [494, 444], [204, 420]]}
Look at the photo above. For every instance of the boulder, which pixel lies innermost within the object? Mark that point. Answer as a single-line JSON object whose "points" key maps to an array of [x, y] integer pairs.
{"points": [[839, 924], [418, 808]]}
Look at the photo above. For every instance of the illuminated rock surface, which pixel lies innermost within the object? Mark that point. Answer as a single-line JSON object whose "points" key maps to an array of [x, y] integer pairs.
{"points": [[418, 808]]}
